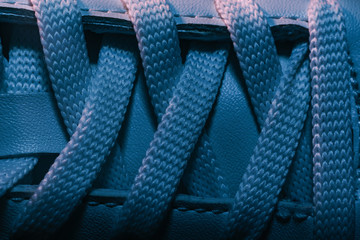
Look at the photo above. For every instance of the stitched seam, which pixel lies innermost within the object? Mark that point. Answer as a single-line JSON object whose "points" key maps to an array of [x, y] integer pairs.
{"points": [[17, 3], [180, 209], [293, 213], [200, 211], [102, 10], [175, 15], [297, 19], [18, 200]]}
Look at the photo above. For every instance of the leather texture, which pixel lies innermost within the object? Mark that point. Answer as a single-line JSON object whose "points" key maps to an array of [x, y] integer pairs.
{"points": [[32, 125], [191, 217]]}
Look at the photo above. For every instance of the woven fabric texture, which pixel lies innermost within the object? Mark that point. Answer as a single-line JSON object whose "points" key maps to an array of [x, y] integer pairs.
{"points": [[305, 113]]}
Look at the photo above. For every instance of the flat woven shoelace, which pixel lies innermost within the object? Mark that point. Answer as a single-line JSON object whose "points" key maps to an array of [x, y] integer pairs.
{"points": [[281, 114], [156, 33], [27, 223], [334, 194], [93, 106]]}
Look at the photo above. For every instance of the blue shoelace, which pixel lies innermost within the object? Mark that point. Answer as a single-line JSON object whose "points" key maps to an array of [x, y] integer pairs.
{"points": [[313, 94]]}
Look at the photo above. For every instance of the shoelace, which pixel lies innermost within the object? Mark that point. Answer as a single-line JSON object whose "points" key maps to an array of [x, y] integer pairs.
{"points": [[182, 98]]}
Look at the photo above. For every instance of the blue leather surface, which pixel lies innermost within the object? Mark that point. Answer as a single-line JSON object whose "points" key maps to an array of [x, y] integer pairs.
{"points": [[232, 129], [30, 123], [138, 128]]}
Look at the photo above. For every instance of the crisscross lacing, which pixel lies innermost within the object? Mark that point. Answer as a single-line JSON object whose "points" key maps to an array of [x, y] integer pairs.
{"points": [[93, 105]]}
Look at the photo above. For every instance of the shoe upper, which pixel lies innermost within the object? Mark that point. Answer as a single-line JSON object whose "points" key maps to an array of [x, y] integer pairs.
{"points": [[33, 126]]}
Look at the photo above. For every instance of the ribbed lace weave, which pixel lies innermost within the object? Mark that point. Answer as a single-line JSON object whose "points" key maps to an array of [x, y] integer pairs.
{"points": [[174, 140], [78, 163], [332, 138], [334, 197], [156, 33], [93, 103], [42, 211]]}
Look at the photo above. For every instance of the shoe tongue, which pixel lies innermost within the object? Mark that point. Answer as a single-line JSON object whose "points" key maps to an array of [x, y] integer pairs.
{"points": [[25, 72]]}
